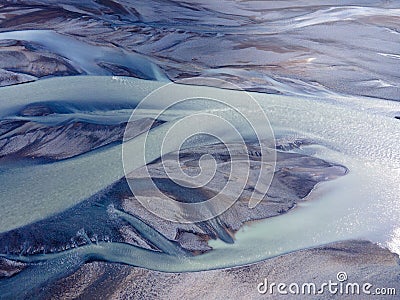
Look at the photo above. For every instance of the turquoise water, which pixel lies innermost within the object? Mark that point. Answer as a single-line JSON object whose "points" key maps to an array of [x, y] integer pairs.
{"points": [[363, 204], [313, 53], [363, 140]]}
